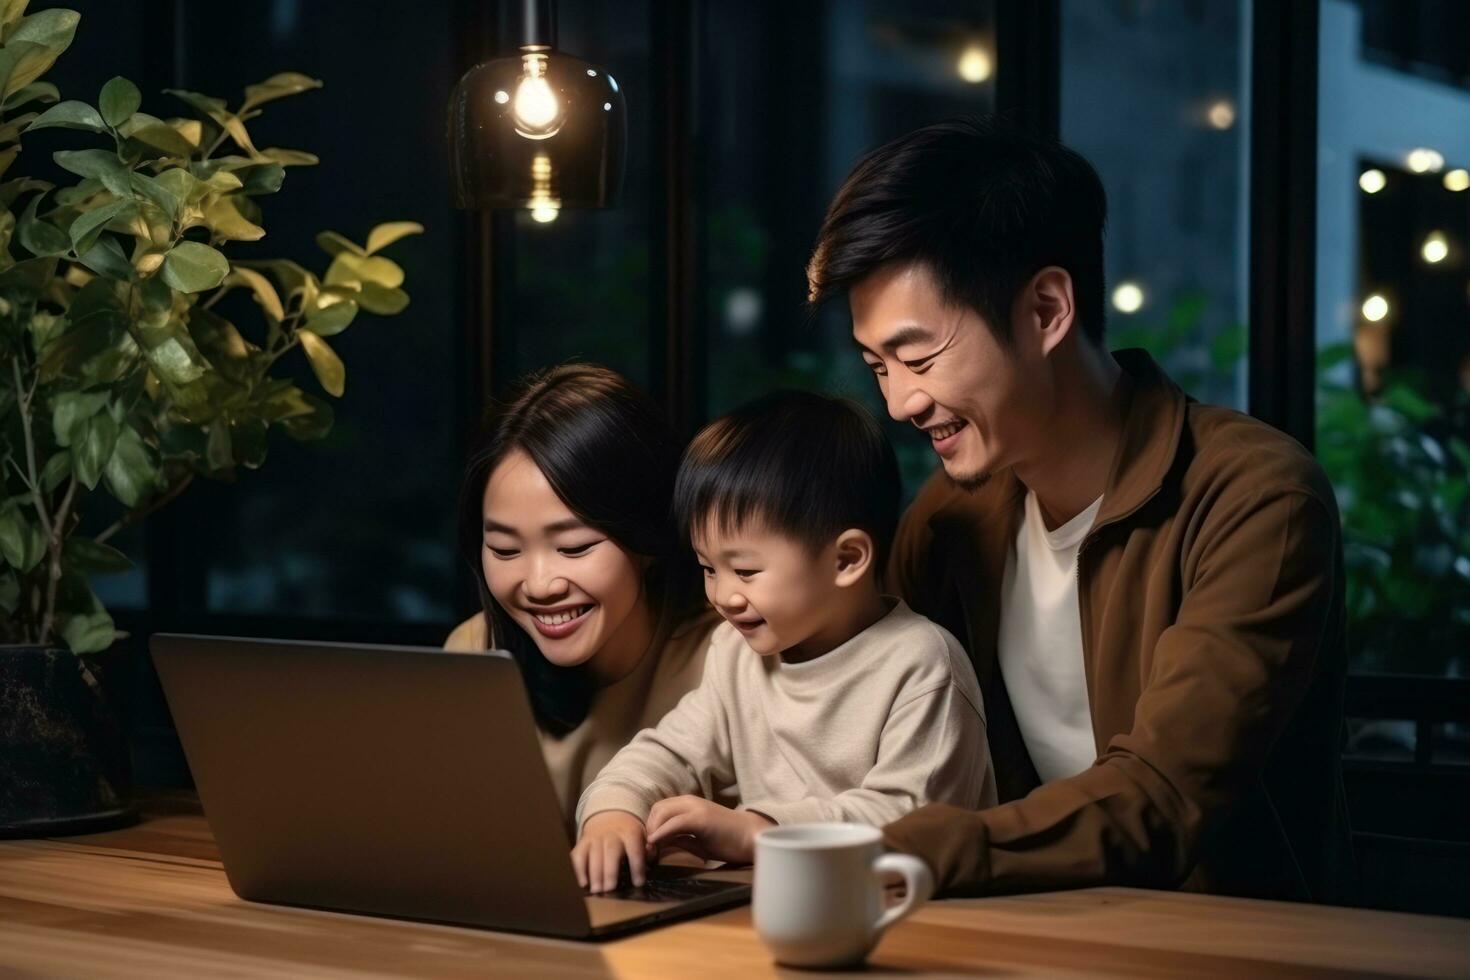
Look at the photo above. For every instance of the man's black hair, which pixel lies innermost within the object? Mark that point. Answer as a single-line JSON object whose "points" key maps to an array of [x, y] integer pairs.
{"points": [[983, 204], [796, 462]]}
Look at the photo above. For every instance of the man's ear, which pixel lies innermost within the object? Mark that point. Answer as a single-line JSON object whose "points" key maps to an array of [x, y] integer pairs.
{"points": [[855, 556], [1051, 307]]}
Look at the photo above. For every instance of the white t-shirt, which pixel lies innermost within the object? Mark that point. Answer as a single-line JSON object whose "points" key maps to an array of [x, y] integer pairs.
{"points": [[1041, 643]]}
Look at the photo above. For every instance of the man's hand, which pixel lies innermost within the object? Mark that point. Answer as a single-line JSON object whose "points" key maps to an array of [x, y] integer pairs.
{"points": [[608, 837], [705, 829]]}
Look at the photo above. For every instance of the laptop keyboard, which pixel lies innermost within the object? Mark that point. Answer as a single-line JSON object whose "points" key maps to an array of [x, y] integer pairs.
{"points": [[675, 886]]}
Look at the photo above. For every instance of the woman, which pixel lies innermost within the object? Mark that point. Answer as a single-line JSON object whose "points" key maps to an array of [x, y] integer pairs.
{"points": [[565, 520]]}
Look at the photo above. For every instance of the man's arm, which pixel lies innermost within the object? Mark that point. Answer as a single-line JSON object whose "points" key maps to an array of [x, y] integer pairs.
{"points": [[1225, 680]]}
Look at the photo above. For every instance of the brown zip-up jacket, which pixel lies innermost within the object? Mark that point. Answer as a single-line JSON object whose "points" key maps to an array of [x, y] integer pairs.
{"points": [[1210, 590]]}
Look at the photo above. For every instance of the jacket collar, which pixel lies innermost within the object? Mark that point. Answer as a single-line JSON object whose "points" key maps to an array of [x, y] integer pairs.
{"points": [[1152, 429]]}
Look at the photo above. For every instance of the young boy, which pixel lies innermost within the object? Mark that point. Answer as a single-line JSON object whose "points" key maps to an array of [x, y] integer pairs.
{"points": [[822, 699]]}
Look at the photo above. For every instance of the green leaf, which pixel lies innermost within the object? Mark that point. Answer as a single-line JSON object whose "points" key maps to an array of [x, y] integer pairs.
{"points": [[90, 224], [52, 30], [265, 293], [100, 164], [277, 87], [293, 278], [324, 363], [310, 418], [334, 244], [290, 158], [22, 543], [69, 115], [9, 592], [249, 436], [34, 92], [192, 267], [386, 234], [183, 185], [206, 104], [384, 302], [170, 349], [57, 469], [264, 178], [349, 269], [120, 98], [106, 258], [218, 452], [11, 12], [163, 138], [71, 410], [225, 220], [131, 474], [93, 451], [327, 321], [92, 556], [40, 237], [159, 193]]}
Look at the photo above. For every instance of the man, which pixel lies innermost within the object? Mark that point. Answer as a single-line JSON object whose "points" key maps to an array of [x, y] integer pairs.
{"points": [[1151, 589]]}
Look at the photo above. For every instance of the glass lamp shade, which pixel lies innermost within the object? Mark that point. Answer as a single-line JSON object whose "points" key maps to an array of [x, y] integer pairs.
{"points": [[538, 130]]}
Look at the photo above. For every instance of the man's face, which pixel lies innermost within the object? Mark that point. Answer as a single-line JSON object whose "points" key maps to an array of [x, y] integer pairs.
{"points": [[983, 404]]}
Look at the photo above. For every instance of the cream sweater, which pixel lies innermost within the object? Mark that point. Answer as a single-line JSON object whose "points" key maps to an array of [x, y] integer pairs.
{"points": [[883, 724]]}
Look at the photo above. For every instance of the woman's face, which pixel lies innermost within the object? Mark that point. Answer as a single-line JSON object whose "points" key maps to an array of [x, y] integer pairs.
{"points": [[568, 585]]}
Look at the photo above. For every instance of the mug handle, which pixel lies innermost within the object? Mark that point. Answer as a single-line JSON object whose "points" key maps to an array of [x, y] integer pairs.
{"points": [[916, 876]]}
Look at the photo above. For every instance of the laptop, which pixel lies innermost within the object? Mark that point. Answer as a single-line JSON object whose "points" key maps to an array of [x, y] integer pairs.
{"points": [[394, 781]]}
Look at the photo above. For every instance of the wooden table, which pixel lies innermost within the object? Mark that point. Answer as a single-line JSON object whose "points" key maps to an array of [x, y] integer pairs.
{"points": [[152, 901]]}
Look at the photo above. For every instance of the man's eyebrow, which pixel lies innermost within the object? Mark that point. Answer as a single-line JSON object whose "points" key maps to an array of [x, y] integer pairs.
{"points": [[911, 334]]}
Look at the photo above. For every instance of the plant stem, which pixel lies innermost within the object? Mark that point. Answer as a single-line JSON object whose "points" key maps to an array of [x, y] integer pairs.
{"points": [[23, 402], [137, 514], [48, 618]]}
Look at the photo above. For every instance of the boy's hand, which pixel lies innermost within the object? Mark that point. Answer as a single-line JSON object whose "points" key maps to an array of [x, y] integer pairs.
{"points": [[608, 837], [718, 833]]}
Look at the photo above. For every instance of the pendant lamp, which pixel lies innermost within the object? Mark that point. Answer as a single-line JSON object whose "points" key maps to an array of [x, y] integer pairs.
{"points": [[537, 130]]}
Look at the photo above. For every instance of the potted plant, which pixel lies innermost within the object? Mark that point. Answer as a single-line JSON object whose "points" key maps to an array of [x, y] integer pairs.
{"points": [[122, 379]]}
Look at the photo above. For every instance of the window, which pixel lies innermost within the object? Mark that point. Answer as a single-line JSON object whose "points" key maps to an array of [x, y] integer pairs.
{"points": [[1155, 96]]}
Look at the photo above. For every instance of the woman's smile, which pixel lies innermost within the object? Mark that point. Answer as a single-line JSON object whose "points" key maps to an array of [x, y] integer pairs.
{"points": [[560, 623]]}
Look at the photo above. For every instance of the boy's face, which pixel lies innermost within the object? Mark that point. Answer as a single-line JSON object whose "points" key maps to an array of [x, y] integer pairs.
{"points": [[775, 590], [984, 405]]}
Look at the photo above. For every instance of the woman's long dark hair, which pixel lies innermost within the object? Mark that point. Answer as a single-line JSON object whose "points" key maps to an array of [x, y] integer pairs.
{"points": [[611, 457]]}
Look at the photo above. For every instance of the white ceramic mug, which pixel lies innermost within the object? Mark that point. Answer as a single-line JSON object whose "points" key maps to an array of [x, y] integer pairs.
{"points": [[819, 891]]}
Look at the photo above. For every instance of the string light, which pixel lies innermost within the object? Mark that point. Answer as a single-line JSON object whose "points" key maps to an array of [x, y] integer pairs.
{"points": [[1128, 297], [1372, 181], [974, 64], [1423, 161], [1222, 114], [1375, 308], [1457, 180], [1436, 247]]}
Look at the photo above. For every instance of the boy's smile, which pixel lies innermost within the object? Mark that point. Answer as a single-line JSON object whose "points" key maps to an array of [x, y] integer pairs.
{"points": [[773, 589]]}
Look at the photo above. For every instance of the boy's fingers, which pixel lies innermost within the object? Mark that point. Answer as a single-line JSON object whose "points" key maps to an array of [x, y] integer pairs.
{"points": [[612, 856], [679, 823], [579, 864], [636, 858]]}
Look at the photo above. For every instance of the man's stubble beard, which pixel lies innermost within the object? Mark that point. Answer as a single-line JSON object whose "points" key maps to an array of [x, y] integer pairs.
{"points": [[969, 482]]}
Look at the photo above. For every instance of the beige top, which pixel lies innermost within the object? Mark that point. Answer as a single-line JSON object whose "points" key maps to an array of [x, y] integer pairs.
{"points": [[620, 710], [885, 723]]}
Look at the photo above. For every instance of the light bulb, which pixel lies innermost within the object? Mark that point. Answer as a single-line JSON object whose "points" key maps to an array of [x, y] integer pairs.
{"points": [[1436, 248], [1457, 180], [1424, 160], [1128, 297], [1221, 114], [1375, 308], [974, 65], [538, 112], [1372, 181]]}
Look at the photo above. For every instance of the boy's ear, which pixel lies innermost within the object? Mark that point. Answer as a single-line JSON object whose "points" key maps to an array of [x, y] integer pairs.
{"points": [[855, 555]]}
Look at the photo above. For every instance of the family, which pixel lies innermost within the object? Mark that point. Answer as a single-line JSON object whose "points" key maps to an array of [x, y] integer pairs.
{"points": [[1103, 646]]}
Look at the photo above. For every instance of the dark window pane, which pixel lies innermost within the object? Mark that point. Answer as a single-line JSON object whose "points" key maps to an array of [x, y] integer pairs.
{"points": [[1393, 329], [835, 80], [1155, 96]]}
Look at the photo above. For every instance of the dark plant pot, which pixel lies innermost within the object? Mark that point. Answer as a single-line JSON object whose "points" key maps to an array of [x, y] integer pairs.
{"points": [[64, 765]]}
